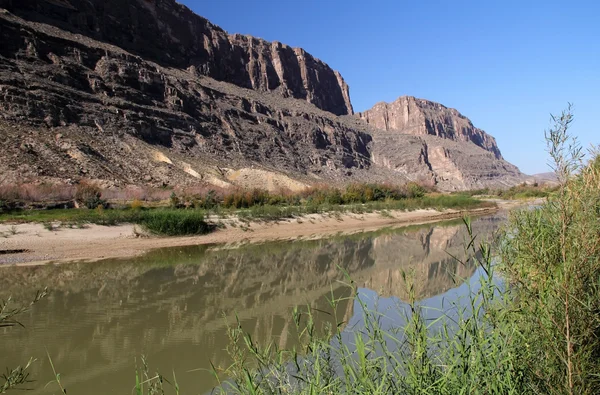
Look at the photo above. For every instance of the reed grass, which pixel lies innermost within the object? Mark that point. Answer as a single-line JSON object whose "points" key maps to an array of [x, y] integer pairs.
{"points": [[470, 350], [16, 378]]}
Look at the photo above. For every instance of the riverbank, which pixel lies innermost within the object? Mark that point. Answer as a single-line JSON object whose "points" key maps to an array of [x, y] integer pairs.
{"points": [[35, 244]]}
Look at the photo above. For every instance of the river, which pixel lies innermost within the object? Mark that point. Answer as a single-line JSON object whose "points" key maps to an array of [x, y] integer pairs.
{"points": [[174, 305]]}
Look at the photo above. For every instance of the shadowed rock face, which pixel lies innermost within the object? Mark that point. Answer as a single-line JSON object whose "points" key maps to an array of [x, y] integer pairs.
{"points": [[102, 100], [170, 34], [409, 115]]}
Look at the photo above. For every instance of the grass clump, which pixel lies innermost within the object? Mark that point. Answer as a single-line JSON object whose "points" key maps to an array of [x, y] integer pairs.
{"points": [[175, 222]]}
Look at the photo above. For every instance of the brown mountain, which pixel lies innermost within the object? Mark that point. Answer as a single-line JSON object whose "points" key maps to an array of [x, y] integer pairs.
{"points": [[147, 92], [419, 117], [448, 149]]}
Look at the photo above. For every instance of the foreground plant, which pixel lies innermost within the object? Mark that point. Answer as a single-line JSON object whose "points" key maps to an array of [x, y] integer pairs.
{"points": [[551, 256], [16, 377]]}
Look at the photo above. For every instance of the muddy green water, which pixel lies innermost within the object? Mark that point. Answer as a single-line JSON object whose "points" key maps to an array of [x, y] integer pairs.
{"points": [[174, 305]]}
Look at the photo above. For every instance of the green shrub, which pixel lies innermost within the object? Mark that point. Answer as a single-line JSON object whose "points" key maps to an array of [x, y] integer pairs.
{"points": [[551, 256], [174, 200], [175, 222], [414, 190]]}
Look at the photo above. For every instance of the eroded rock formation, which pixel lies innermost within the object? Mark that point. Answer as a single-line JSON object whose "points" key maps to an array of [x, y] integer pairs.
{"points": [[170, 34], [147, 92], [419, 117]]}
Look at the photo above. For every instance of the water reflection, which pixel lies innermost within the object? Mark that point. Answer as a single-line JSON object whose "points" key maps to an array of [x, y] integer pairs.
{"points": [[174, 305]]}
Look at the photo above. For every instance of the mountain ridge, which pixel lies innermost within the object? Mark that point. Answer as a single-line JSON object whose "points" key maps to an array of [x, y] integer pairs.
{"points": [[171, 34], [74, 106]]}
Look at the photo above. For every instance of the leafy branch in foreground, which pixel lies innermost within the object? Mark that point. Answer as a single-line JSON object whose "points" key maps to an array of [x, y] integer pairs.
{"points": [[13, 378]]}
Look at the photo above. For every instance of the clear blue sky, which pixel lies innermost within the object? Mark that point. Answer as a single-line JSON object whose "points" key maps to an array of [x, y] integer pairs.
{"points": [[504, 64]]}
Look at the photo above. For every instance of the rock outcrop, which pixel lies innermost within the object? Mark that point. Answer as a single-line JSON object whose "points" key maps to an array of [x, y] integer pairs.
{"points": [[97, 97], [146, 92], [419, 117], [170, 34]]}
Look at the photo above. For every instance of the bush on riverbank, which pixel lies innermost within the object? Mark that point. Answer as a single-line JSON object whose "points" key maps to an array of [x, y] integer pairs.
{"points": [[168, 222], [522, 191], [318, 202], [551, 257], [175, 222]]}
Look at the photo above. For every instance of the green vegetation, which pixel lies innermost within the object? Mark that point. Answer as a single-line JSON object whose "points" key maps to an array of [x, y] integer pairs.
{"points": [[552, 257], [175, 222], [185, 215], [170, 222], [522, 191], [526, 192], [90, 195]]}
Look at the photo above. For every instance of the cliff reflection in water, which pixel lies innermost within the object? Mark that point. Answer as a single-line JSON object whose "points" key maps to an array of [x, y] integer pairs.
{"points": [[174, 305]]}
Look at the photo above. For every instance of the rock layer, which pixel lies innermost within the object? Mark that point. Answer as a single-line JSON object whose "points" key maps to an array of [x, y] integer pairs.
{"points": [[409, 115], [170, 34], [83, 95]]}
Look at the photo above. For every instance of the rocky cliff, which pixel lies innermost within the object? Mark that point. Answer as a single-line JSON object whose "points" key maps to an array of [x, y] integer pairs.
{"points": [[419, 117], [170, 34], [146, 92]]}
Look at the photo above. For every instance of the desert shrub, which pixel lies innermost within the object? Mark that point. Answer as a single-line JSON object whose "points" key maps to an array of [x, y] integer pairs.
{"points": [[415, 190], [90, 195], [136, 204], [211, 199], [174, 200], [7, 206], [354, 193], [44, 192]]}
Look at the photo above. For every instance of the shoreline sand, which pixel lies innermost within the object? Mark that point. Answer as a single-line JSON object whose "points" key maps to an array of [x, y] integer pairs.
{"points": [[38, 245]]}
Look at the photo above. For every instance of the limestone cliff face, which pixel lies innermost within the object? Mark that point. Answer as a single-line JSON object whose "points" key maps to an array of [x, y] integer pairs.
{"points": [[409, 115], [170, 34]]}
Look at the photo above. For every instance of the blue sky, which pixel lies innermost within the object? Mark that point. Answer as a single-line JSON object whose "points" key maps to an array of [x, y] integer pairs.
{"points": [[504, 64]]}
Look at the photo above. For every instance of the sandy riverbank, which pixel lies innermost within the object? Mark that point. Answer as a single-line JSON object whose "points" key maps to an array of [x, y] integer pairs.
{"points": [[33, 244]]}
